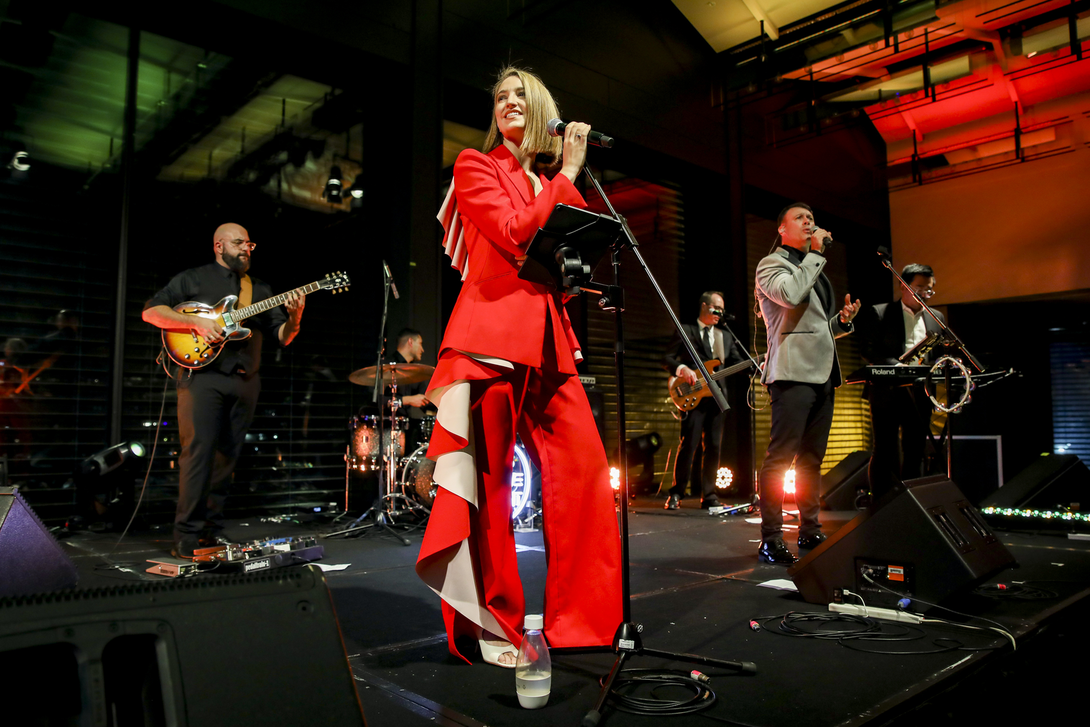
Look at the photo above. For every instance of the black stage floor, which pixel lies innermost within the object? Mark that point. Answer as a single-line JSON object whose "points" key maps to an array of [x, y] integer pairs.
{"points": [[696, 586]]}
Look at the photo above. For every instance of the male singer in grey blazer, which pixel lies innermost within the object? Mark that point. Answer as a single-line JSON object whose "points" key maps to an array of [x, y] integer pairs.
{"points": [[802, 371]]}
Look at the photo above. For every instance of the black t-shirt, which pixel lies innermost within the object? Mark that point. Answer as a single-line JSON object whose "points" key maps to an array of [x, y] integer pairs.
{"points": [[210, 284]]}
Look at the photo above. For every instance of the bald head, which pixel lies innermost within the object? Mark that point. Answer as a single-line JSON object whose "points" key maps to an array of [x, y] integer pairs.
{"points": [[230, 231], [231, 243]]}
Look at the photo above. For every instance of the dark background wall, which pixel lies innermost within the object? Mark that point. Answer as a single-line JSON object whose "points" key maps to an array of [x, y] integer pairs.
{"points": [[721, 164]]}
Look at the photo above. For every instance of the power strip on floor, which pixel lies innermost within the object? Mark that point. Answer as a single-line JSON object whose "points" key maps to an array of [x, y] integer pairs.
{"points": [[886, 614]]}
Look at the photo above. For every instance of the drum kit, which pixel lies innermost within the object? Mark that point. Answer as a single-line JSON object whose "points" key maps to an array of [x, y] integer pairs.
{"points": [[406, 488], [377, 444]]}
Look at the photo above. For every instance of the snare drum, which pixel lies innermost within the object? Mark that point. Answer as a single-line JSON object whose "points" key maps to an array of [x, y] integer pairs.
{"points": [[364, 430]]}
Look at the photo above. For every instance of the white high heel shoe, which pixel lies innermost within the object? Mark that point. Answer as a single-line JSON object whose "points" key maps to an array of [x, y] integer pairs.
{"points": [[493, 649]]}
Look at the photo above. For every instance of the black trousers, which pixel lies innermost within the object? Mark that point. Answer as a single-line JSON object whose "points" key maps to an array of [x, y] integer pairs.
{"points": [[894, 410], [802, 415], [214, 413], [701, 434]]}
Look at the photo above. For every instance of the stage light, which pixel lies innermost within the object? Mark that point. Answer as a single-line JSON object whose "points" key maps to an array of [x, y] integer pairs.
{"points": [[641, 453], [723, 478], [105, 487], [789, 482], [334, 187], [111, 458], [19, 165], [356, 192]]}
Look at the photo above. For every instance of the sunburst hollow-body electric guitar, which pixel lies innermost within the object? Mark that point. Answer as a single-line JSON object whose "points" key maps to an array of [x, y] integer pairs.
{"points": [[191, 351]]}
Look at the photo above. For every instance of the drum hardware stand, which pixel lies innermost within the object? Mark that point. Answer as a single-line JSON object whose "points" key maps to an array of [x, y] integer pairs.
{"points": [[381, 509], [568, 233]]}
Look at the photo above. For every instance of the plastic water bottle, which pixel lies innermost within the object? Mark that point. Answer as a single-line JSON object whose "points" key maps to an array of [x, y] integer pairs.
{"points": [[534, 668]]}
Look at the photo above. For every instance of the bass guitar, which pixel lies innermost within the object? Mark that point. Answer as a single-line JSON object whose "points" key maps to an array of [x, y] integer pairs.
{"points": [[191, 351], [686, 396]]}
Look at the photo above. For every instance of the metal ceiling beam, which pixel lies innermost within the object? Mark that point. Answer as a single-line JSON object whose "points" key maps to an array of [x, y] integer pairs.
{"points": [[759, 14]]}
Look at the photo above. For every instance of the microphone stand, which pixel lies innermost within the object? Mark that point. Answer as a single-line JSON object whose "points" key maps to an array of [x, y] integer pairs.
{"points": [[626, 640], [380, 518]]}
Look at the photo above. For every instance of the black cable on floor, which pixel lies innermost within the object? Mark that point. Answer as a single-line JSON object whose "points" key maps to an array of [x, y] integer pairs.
{"points": [[628, 681]]}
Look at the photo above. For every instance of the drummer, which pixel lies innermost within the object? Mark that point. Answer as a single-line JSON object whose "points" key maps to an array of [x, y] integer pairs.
{"points": [[412, 402]]}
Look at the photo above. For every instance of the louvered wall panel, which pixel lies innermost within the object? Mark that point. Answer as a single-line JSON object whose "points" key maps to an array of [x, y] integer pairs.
{"points": [[656, 214], [1070, 365], [49, 262]]}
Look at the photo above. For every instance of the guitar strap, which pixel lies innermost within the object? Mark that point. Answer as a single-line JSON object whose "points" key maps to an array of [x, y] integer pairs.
{"points": [[246, 291], [253, 343]]}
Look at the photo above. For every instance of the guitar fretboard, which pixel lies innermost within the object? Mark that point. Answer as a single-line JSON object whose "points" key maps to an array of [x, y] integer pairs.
{"points": [[264, 305]]}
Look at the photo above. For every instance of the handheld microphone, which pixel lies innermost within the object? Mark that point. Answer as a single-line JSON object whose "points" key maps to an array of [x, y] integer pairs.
{"points": [[594, 138], [390, 277]]}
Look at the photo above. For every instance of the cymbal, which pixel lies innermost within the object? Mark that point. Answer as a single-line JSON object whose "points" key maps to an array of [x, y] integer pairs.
{"points": [[402, 373]]}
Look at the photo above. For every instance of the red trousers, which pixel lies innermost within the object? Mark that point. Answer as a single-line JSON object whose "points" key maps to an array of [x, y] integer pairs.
{"points": [[550, 412]]}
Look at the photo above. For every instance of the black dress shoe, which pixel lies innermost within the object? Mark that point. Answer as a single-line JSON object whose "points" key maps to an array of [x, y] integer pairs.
{"points": [[212, 539], [184, 547], [809, 542], [673, 502], [710, 501], [775, 552]]}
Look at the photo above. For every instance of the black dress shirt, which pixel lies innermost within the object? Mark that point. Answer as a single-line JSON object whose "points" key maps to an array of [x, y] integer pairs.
{"points": [[210, 284]]}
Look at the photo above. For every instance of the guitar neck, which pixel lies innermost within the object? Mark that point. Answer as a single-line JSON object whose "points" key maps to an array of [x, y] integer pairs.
{"points": [[268, 303], [730, 370]]}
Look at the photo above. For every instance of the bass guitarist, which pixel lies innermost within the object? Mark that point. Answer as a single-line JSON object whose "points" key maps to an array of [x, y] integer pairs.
{"points": [[216, 404], [702, 428]]}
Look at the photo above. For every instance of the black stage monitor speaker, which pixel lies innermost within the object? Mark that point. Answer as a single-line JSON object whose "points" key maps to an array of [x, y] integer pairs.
{"points": [[31, 560], [924, 540], [840, 485], [1053, 482], [204, 652]]}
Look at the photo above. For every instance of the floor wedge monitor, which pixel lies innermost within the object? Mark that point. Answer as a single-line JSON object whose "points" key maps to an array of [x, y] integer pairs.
{"points": [[924, 540], [258, 649]]}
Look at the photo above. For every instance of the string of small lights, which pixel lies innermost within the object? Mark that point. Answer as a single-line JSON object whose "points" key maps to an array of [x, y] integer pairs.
{"points": [[1026, 513]]}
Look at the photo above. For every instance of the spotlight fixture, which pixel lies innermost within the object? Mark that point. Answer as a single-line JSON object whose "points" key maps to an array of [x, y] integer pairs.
{"points": [[724, 478], [789, 482], [641, 453], [356, 192], [105, 487], [111, 458], [334, 188], [19, 164]]}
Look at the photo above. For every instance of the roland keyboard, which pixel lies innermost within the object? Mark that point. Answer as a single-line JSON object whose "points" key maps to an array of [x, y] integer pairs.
{"points": [[895, 375]]}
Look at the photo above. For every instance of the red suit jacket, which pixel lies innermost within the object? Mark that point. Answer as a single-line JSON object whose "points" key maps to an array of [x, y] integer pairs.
{"points": [[497, 313]]}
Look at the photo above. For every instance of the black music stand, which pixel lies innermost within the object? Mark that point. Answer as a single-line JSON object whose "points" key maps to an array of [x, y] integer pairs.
{"points": [[557, 250]]}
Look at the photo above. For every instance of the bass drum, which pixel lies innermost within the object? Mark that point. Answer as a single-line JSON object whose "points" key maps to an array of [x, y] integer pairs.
{"points": [[416, 476]]}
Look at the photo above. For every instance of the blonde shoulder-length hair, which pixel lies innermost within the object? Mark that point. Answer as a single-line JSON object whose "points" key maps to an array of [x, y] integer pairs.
{"points": [[540, 108]]}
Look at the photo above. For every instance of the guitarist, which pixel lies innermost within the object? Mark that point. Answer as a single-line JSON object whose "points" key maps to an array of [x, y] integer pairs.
{"points": [[702, 428], [216, 404]]}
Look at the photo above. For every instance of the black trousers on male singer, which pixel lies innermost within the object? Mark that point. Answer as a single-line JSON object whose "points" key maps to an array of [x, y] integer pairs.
{"points": [[214, 413], [802, 417]]}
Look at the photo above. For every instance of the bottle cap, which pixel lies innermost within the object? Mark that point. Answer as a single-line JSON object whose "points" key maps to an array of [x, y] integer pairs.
{"points": [[536, 621]]}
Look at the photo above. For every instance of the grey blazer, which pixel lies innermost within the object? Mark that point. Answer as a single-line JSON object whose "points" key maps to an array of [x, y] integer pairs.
{"points": [[801, 345]]}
